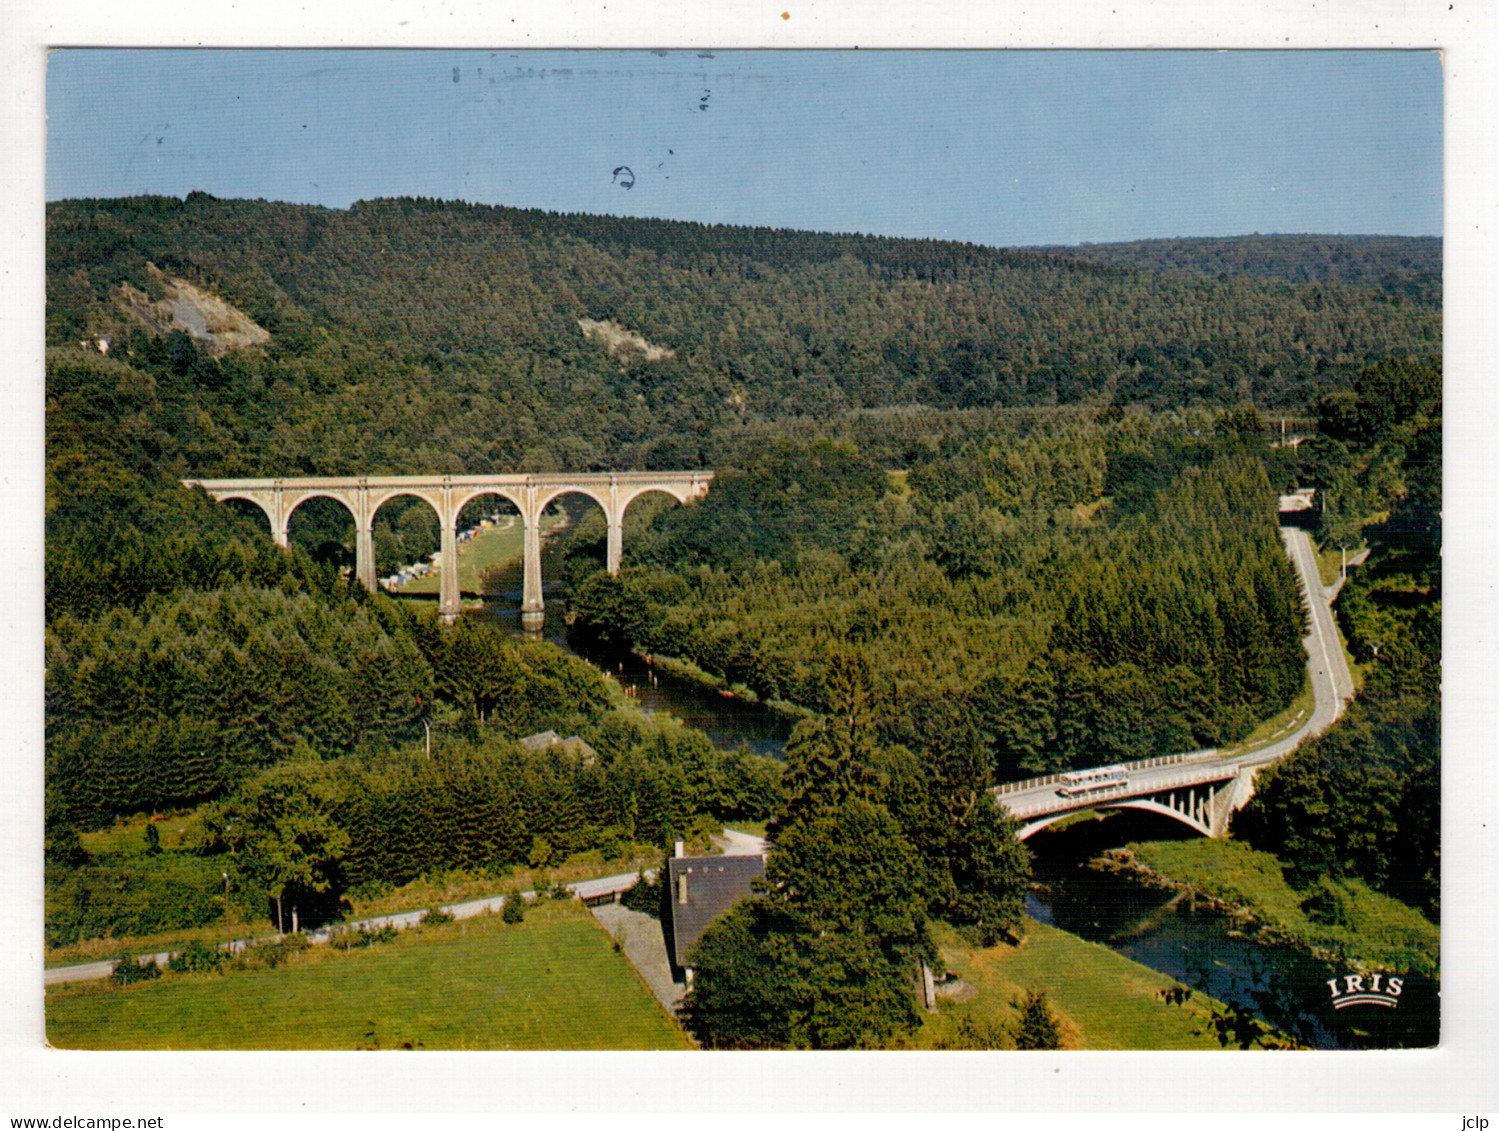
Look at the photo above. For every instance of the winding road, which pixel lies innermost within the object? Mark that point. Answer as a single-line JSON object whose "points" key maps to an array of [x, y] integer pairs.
{"points": [[1332, 688]]}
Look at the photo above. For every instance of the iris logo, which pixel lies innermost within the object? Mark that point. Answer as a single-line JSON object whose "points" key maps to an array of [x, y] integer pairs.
{"points": [[1349, 990]]}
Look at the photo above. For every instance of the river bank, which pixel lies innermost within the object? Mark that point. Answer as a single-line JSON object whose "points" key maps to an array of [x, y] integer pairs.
{"points": [[688, 672], [1341, 922], [1101, 999]]}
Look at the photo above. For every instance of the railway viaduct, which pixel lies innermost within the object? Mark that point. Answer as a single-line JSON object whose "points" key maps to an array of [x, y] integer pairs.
{"points": [[447, 495]]}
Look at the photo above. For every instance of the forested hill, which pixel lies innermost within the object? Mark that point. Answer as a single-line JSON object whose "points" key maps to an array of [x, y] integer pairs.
{"points": [[1407, 266], [410, 333]]}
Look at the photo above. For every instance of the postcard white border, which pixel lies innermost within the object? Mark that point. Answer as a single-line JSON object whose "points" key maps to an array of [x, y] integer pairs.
{"points": [[1459, 1075]]}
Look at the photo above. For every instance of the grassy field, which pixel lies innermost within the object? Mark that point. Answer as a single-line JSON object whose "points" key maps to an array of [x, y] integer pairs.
{"points": [[179, 829], [1102, 999], [1353, 919], [491, 548], [552, 982]]}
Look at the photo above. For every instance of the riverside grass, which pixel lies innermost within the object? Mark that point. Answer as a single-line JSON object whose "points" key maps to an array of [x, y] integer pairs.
{"points": [[552, 982], [1102, 999], [1364, 926], [493, 547]]}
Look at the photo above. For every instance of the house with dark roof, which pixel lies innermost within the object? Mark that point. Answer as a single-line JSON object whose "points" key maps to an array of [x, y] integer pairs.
{"points": [[574, 745], [700, 889]]}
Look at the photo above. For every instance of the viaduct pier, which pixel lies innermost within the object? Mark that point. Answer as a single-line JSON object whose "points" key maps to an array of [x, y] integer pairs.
{"points": [[447, 495]]}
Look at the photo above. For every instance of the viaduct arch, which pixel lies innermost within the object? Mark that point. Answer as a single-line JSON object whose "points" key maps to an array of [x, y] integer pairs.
{"points": [[447, 494]]}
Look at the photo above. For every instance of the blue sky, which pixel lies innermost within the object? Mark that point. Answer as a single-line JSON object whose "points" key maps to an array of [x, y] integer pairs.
{"points": [[995, 147]]}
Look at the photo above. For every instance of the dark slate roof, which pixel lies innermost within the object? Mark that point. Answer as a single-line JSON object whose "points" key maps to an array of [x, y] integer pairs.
{"points": [[714, 884], [546, 739]]}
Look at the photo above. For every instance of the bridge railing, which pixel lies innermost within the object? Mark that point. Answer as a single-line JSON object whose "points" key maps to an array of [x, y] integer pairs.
{"points": [[1053, 802], [1144, 764]]}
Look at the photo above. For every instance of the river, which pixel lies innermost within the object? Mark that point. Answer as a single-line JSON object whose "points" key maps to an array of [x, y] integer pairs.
{"points": [[1208, 951], [1199, 948], [729, 722]]}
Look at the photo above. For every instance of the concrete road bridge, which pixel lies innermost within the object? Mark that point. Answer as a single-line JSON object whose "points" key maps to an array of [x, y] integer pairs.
{"points": [[1204, 788], [614, 491]]}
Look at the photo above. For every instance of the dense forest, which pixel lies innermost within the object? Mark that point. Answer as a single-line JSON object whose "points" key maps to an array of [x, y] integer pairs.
{"points": [[414, 335], [871, 843], [1026, 615], [983, 513], [1404, 267]]}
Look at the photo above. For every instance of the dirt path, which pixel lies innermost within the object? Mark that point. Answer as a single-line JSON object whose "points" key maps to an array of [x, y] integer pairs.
{"points": [[645, 946]]}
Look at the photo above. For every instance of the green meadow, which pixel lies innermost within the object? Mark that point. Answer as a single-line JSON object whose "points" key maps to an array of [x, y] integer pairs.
{"points": [[554, 981], [1102, 999]]}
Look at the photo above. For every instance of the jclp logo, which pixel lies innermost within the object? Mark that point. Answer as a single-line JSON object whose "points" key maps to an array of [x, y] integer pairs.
{"points": [[1352, 991]]}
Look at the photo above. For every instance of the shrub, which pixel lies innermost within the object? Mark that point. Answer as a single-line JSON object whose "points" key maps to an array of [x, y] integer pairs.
{"points": [[363, 936], [1038, 1027], [269, 955], [198, 957], [371, 889], [170, 892], [127, 970], [1328, 903], [644, 895], [515, 907], [437, 917], [975, 1033], [700, 833]]}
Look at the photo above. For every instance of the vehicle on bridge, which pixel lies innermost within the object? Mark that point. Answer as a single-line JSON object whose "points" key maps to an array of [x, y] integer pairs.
{"points": [[1096, 780]]}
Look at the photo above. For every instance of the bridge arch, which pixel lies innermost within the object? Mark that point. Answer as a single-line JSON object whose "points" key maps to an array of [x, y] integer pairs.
{"points": [[462, 498], [1031, 828], [400, 528], [297, 502], [552, 494], [1150, 805], [290, 505], [377, 497], [627, 500], [263, 506], [681, 495]]}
